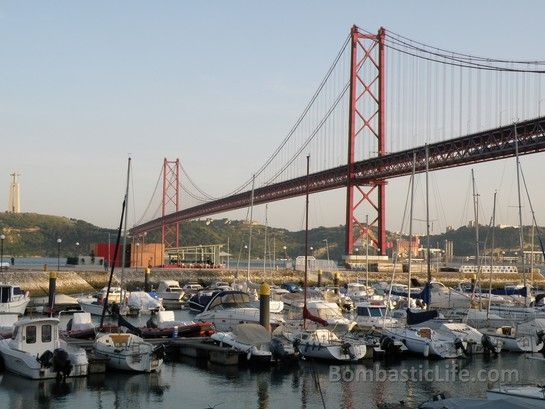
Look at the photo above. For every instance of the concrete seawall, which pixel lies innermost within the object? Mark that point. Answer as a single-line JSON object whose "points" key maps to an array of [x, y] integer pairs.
{"points": [[84, 281]]}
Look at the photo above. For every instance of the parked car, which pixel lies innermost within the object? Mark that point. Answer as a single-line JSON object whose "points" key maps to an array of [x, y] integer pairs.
{"points": [[292, 287]]}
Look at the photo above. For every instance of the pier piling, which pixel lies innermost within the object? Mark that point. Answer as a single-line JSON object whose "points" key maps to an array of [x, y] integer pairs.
{"points": [[264, 305]]}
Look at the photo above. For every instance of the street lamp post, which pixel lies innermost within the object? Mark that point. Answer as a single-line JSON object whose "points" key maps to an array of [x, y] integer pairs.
{"points": [[59, 241], [136, 256], [327, 249], [2, 238]]}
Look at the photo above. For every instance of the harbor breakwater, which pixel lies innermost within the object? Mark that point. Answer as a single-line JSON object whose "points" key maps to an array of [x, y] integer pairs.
{"points": [[82, 281]]}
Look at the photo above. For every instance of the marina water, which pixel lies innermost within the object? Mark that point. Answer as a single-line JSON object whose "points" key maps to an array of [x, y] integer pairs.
{"points": [[186, 383]]}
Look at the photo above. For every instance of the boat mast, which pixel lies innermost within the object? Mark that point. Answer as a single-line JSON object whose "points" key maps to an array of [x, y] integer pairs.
{"points": [[366, 251], [116, 249], [411, 230], [250, 238], [265, 251], [123, 253], [306, 249], [521, 227], [477, 249], [428, 250], [492, 258]]}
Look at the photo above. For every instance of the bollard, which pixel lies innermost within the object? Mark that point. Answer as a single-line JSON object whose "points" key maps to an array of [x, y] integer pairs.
{"points": [[319, 278], [146, 278], [52, 288], [264, 306], [336, 282]]}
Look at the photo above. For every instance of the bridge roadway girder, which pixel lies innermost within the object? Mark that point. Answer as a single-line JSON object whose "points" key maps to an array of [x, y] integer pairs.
{"points": [[483, 146]]}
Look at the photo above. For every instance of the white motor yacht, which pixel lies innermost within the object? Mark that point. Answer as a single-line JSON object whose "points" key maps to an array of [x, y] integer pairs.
{"points": [[13, 299], [325, 344], [475, 342], [372, 315], [427, 342], [226, 309], [170, 291], [359, 292], [256, 343], [331, 313], [36, 351]]}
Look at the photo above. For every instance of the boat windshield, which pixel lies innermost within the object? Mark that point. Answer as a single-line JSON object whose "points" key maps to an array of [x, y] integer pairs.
{"points": [[377, 312], [230, 300], [371, 311]]}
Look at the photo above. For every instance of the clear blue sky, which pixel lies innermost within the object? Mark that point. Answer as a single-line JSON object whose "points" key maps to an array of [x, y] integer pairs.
{"points": [[218, 84]]}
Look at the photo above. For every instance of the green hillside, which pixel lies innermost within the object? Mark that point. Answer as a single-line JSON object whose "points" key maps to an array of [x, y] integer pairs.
{"points": [[30, 234]]}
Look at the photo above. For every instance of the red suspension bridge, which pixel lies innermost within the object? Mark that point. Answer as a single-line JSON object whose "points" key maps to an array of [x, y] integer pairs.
{"points": [[456, 109]]}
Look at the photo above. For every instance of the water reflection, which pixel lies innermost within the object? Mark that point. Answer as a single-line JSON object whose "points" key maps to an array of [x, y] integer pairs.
{"points": [[27, 393], [113, 390], [190, 383]]}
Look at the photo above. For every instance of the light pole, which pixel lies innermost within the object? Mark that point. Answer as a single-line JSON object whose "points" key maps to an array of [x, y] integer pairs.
{"points": [[59, 241], [136, 256], [327, 249], [2, 238]]}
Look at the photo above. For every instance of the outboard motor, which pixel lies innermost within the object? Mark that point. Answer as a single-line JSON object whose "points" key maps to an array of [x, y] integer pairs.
{"points": [[159, 351], [296, 344], [388, 345], [346, 348], [277, 349], [460, 346], [151, 322], [541, 338], [45, 359], [61, 364], [489, 344]]}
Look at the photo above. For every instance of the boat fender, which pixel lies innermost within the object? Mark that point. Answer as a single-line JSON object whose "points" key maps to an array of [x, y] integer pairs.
{"points": [[249, 354], [45, 359], [426, 351], [175, 332]]}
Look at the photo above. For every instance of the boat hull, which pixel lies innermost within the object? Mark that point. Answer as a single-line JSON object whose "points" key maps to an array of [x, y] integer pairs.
{"points": [[26, 365], [15, 307], [127, 352], [534, 402], [332, 352]]}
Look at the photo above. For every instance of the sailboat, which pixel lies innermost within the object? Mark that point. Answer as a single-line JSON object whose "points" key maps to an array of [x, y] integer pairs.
{"points": [[125, 351], [320, 343]]}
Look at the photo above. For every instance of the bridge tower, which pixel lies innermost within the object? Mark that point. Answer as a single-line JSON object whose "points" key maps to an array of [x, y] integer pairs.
{"points": [[366, 129], [170, 233]]}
